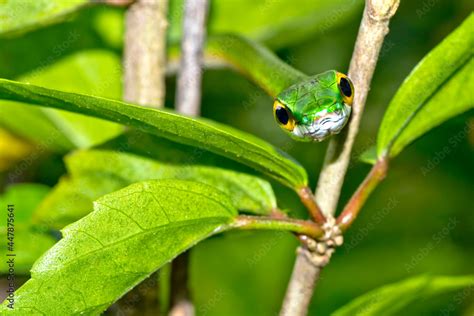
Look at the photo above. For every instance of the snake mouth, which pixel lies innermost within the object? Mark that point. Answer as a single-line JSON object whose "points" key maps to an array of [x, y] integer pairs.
{"points": [[325, 126]]}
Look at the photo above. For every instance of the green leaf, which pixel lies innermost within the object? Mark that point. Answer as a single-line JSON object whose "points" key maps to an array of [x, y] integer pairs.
{"points": [[130, 234], [202, 133], [435, 91], [25, 198], [21, 15], [93, 173], [369, 156], [452, 99], [392, 299], [94, 71], [72, 198]]}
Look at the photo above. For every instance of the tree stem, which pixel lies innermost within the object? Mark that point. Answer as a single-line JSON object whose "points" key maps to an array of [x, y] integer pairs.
{"points": [[188, 97], [300, 288], [180, 303], [297, 226], [145, 52], [373, 28], [144, 83]]}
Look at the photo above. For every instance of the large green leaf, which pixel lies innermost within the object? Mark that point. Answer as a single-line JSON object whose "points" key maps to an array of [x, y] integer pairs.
{"points": [[436, 90], [96, 72], [24, 198], [202, 133], [130, 234], [392, 299], [21, 15], [93, 173]]}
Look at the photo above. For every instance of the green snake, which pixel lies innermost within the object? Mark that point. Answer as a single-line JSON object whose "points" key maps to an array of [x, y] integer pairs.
{"points": [[316, 108], [308, 108]]}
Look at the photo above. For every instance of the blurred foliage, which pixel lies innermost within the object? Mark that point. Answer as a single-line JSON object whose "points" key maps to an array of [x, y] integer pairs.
{"points": [[419, 220], [18, 16], [96, 72], [94, 173], [30, 241], [269, 21], [12, 149]]}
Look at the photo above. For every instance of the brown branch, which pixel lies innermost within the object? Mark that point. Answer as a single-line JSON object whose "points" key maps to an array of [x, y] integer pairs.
{"points": [[188, 95], [179, 298], [352, 208], [144, 83], [307, 198], [373, 28], [188, 101], [145, 52], [297, 226], [301, 283]]}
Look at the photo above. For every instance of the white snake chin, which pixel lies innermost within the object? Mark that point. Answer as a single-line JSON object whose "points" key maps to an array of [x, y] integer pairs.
{"points": [[327, 125]]}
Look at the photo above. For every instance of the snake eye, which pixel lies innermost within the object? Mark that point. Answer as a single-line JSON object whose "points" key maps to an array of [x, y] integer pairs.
{"points": [[345, 88], [283, 116]]}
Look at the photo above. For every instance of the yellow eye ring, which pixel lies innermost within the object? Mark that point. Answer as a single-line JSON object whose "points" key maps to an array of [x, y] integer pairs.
{"points": [[283, 116], [346, 88]]}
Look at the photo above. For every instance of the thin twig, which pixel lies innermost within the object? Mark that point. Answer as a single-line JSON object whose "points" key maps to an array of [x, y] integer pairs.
{"points": [[352, 208], [188, 95], [188, 101], [307, 198], [145, 52], [180, 303], [373, 28], [297, 226]]}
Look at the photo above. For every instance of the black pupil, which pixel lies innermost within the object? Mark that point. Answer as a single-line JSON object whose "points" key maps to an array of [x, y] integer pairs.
{"points": [[282, 115], [345, 87]]}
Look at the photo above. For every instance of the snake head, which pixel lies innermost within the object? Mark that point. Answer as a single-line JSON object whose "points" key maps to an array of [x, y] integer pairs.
{"points": [[316, 108]]}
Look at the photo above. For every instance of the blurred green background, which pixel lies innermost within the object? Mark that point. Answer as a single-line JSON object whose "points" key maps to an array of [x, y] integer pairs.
{"points": [[419, 220]]}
